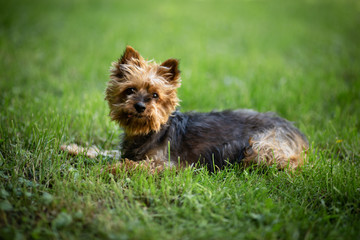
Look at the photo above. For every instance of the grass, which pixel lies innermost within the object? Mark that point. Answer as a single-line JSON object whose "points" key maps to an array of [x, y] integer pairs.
{"points": [[297, 58]]}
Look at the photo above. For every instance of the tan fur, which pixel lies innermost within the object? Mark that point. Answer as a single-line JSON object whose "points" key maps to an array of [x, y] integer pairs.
{"points": [[90, 152], [148, 77], [274, 147], [127, 165]]}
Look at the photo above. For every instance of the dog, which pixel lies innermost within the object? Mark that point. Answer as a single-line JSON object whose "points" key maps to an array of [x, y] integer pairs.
{"points": [[142, 97]]}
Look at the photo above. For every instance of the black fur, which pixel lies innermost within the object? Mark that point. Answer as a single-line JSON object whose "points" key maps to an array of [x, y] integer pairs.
{"points": [[215, 138]]}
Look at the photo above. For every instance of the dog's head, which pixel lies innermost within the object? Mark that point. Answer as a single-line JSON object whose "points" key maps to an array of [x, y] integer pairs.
{"points": [[142, 94]]}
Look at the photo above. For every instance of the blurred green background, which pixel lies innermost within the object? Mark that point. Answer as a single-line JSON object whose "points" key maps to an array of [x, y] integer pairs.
{"points": [[297, 58]]}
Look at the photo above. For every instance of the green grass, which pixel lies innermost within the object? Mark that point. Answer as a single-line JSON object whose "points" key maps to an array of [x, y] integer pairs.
{"points": [[297, 58]]}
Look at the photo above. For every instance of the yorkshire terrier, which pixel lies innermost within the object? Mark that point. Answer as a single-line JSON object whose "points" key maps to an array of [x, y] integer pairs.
{"points": [[142, 97]]}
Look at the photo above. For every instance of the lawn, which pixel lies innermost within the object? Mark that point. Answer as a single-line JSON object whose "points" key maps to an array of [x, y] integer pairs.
{"points": [[300, 59]]}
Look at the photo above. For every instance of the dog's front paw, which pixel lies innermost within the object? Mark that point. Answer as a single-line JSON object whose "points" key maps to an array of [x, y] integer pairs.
{"points": [[113, 169], [127, 165], [74, 150]]}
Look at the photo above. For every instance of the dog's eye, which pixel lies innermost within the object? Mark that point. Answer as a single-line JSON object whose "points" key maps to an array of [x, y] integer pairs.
{"points": [[130, 91], [155, 95]]}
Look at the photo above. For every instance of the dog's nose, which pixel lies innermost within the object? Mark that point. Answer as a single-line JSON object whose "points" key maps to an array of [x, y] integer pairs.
{"points": [[140, 107]]}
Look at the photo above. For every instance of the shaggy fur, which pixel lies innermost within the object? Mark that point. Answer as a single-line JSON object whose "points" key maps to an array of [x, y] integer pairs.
{"points": [[142, 98]]}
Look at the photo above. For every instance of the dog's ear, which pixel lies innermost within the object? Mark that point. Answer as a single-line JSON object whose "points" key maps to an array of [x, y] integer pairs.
{"points": [[130, 55], [170, 69]]}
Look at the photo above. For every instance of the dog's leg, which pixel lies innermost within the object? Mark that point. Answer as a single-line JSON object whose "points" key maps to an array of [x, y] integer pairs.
{"points": [[151, 166], [277, 147], [91, 152]]}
